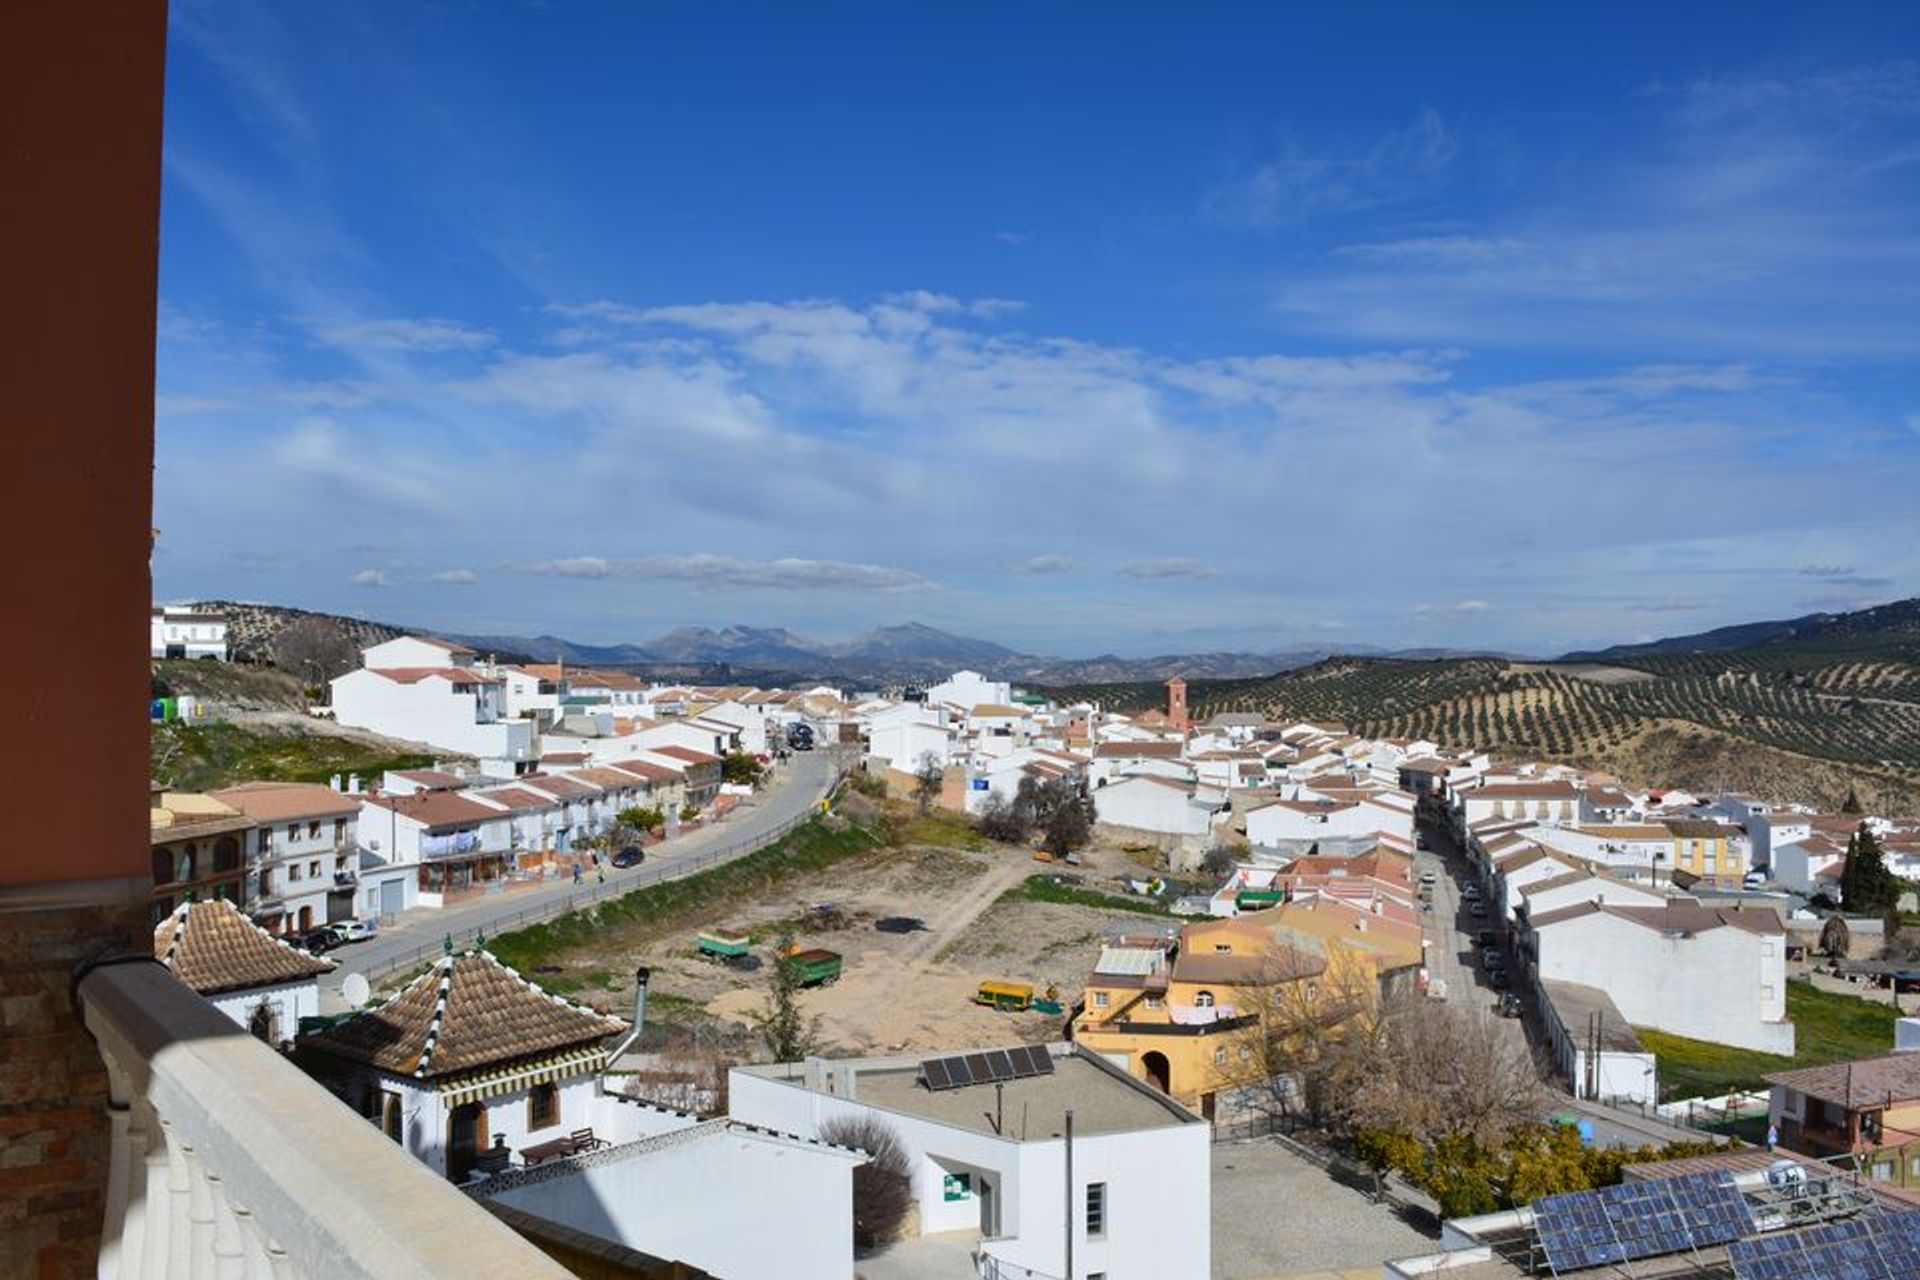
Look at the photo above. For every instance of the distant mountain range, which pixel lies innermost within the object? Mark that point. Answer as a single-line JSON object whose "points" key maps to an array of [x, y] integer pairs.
{"points": [[909, 652], [915, 652]]}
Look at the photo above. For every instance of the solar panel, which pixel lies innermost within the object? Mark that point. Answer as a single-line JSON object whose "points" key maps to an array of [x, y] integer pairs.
{"points": [[1042, 1060], [935, 1071], [999, 1065], [1867, 1248], [962, 1074], [1640, 1220], [1023, 1063], [978, 1069]]}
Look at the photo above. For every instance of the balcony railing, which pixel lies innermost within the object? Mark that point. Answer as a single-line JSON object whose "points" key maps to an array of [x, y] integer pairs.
{"points": [[228, 1161]]}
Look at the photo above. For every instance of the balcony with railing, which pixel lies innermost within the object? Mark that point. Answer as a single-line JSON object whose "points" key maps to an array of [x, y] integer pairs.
{"points": [[227, 1161]]}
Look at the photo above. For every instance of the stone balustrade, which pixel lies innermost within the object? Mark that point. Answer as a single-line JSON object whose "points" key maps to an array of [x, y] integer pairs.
{"points": [[230, 1163]]}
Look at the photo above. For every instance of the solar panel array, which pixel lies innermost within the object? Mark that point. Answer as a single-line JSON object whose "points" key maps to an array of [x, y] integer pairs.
{"points": [[986, 1067], [1640, 1220], [1867, 1248]]}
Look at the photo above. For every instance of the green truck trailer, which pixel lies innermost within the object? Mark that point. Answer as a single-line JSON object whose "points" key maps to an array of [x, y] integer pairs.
{"points": [[815, 967]]}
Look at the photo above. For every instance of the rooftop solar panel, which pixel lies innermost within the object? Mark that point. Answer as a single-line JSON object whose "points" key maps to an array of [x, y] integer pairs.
{"points": [[1640, 1220], [935, 1071]]}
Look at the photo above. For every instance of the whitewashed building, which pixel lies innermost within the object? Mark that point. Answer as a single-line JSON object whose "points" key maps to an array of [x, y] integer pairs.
{"points": [[254, 978], [1707, 973], [180, 631], [993, 1159], [303, 855], [426, 690], [471, 1058]]}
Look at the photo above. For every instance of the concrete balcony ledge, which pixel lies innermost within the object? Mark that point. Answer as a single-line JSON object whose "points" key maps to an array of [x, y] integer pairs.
{"points": [[228, 1161]]}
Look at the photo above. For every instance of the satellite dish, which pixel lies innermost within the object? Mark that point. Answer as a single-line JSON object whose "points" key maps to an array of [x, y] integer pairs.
{"points": [[355, 991]]}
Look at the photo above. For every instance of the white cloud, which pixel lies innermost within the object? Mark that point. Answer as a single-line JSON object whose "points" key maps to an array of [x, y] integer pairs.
{"points": [[1043, 565], [1167, 567], [1472, 606], [1301, 182], [371, 578], [403, 335], [454, 577], [729, 571]]}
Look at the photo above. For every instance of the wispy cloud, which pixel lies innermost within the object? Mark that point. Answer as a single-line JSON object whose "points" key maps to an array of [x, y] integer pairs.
{"points": [[404, 335], [1302, 182], [1167, 567], [727, 571], [371, 578], [454, 577], [1043, 565]]}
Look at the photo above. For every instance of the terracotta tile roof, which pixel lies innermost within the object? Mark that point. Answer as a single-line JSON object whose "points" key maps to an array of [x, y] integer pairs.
{"points": [[648, 770], [278, 801], [571, 786], [564, 757], [414, 675], [467, 1012], [688, 754], [1526, 790], [212, 948], [1864, 1082], [1146, 750], [438, 643], [516, 799], [433, 779], [435, 808], [606, 776]]}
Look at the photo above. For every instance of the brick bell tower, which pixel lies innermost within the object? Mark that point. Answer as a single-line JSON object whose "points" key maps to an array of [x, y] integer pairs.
{"points": [[1177, 704]]}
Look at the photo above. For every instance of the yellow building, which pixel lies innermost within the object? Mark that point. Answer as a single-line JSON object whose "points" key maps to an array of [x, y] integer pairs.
{"points": [[1705, 849], [1189, 1017]]}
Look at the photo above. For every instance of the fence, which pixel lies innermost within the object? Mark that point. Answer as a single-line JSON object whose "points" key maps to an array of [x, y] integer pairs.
{"points": [[641, 879]]}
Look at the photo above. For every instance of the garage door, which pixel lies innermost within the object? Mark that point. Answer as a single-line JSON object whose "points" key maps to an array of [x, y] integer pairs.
{"points": [[393, 894]]}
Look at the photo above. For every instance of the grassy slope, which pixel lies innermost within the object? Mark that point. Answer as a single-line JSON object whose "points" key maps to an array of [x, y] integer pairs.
{"points": [[809, 848], [208, 755], [1827, 1028]]}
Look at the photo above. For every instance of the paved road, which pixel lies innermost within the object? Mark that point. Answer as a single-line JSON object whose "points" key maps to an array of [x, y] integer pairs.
{"points": [[420, 934]]}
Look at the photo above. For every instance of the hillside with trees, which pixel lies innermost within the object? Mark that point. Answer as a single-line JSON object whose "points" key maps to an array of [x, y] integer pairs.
{"points": [[1802, 716]]}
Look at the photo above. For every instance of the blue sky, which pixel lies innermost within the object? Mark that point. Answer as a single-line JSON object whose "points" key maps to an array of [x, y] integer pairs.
{"points": [[1162, 328]]}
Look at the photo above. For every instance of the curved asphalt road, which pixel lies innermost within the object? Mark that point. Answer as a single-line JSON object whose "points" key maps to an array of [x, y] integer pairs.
{"points": [[419, 935]]}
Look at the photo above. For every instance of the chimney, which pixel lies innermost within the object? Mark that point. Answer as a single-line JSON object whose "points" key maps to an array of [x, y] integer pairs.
{"points": [[334, 782], [640, 979]]}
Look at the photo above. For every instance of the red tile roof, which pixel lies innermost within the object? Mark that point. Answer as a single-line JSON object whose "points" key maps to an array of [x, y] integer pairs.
{"points": [[435, 808], [688, 754], [414, 675]]}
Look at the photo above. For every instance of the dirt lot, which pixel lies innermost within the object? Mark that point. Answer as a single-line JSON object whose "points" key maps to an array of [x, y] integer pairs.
{"points": [[897, 992]]}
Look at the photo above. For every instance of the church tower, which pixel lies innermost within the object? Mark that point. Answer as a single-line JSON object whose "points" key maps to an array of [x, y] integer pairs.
{"points": [[1177, 704]]}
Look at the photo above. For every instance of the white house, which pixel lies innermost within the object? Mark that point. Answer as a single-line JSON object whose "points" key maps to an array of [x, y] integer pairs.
{"points": [[450, 842], [429, 691], [254, 978], [732, 1199], [969, 689], [1575, 887], [1707, 973], [1176, 816], [903, 743], [303, 856], [179, 631], [993, 1158], [1554, 802], [470, 1057]]}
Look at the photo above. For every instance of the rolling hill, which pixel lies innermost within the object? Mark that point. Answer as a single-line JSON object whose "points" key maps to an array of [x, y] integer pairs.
{"points": [[1810, 708]]}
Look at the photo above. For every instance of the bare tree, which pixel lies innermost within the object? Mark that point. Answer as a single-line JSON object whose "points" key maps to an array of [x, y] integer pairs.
{"points": [[1219, 862], [928, 777], [314, 649], [1001, 819], [883, 1186], [1317, 1031], [1447, 1073]]}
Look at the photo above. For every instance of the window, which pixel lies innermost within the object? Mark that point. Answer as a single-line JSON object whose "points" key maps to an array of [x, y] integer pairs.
{"points": [[313, 868], [1313, 989], [1096, 1209], [1883, 1171], [1203, 1000], [1220, 1056], [293, 872], [1154, 1002], [313, 829], [390, 1118], [1099, 999], [293, 831], [543, 1106], [1223, 948]]}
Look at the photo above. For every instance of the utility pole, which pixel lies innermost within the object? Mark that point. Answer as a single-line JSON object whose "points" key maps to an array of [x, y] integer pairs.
{"points": [[1069, 1195]]}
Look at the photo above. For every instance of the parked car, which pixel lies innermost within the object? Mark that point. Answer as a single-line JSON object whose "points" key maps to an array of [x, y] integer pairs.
{"points": [[1492, 958], [1498, 979], [1428, 877], [1471, 893], [631, 856], [1477, 910], [1487, 938], [1509, 1005], [354, 930], [316, 941]]}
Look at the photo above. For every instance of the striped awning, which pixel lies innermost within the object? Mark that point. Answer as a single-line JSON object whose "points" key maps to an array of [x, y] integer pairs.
{"points": [[491, 1084]]}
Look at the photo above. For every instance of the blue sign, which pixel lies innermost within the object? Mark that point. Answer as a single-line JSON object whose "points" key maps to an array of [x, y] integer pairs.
{"points": [[980, 784]]}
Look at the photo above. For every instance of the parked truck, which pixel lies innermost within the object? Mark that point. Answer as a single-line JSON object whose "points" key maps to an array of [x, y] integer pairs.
{"points": [[814, 967]]}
